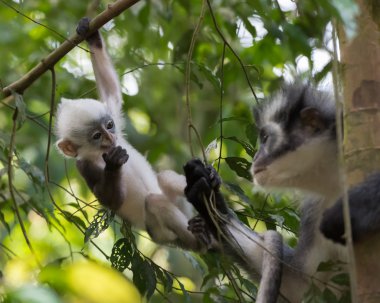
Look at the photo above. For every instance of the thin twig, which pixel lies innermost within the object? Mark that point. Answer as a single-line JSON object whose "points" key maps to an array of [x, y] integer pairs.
{"points": [[235, 287], [28, 116], [48, 62], [81, 209], [39, 23], [342, 174], [221, 104], [231, 49], [10, 184], [187, 79], [8, 250]]}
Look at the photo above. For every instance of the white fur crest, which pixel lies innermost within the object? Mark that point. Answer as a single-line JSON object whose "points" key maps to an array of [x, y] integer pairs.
{"points": [[73, 112]]}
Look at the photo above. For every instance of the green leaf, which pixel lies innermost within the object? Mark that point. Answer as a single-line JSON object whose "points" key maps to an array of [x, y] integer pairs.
{"points": [[341, 279], [325, 70], [210, 76], [144, 276], [247, 147], [241, 166], [329, 296], [73, 218], [21, 109], [213, 145], [40, 200], [100, 223], [4, 139], [291, 218], [121, 255], [182, 45], [150, 279], [184, 291], [144, 14], [4, 222], [331, 266], [33, 172], [237, 190], [251, 133], [165, 278], [250, 28]]}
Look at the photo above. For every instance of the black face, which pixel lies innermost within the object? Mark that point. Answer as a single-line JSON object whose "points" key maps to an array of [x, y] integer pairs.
{"points": [[101, 133], [274, 142], [287, 123]]}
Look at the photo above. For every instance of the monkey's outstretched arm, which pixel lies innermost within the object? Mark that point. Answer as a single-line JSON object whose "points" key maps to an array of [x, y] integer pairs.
{"points": [[105, 183], [107, 81], [261, 254], [364, 201]]}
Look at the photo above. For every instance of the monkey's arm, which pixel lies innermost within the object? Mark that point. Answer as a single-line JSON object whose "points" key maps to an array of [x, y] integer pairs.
{"points": [[107, 81], [260, 254], [105, 183], [364, 201]]}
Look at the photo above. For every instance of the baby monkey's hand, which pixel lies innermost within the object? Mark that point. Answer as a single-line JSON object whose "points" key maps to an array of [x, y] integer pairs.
{"points": [[115, 158]]}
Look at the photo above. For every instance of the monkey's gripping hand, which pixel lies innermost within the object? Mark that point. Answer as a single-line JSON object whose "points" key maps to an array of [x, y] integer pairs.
{"points": [[364, 201], [82, 30], [203, 183], [115, 158]]}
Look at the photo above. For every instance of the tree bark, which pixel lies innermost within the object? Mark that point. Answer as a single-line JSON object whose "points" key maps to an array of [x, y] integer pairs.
{"points": [[361, 81], [112, 11]]}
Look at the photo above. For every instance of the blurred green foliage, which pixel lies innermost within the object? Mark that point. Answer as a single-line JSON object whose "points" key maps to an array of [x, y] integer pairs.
{"points": [[149, 45]]}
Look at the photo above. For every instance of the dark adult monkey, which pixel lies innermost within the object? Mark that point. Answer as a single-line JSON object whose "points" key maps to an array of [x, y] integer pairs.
{"points": [[298, 150]]}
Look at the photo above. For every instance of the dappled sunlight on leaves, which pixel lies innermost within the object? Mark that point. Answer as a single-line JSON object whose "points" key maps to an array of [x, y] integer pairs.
{"points": [[90, 282]]}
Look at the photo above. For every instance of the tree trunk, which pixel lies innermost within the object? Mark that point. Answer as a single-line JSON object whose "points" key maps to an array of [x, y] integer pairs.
{"points": [[361, 80]]}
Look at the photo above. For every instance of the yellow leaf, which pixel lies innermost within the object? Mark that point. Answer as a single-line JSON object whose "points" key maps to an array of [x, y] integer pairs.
{"points": [[98, 284]]}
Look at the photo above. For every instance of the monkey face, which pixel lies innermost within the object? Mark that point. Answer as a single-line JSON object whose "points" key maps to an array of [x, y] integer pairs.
{"points": [[101, 134]]}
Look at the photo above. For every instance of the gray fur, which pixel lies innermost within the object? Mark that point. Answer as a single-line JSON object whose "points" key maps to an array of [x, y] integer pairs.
{"points": [[298, 150]]}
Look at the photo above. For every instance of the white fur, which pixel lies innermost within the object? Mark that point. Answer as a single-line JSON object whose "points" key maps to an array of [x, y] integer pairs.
{"points": [[312, 167], [271, 108], [145, 204]]}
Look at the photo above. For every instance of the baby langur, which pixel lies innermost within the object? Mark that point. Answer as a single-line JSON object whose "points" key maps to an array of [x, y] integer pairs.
{"points": [[92, 132], [298, 150]]}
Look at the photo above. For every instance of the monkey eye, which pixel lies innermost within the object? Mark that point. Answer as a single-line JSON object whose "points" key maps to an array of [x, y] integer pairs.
{"points": [[263, 136], [96, 136], [110, 124]]}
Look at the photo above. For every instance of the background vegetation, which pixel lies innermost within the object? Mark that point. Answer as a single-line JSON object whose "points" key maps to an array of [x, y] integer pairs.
{"points": [[50, 222]]}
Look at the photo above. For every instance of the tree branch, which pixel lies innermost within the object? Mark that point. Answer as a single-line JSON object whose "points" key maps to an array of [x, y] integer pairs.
{"points": [[112, 11]]}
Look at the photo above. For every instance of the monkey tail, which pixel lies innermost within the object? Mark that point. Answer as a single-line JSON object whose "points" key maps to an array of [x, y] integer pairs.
{"points": [[271, 268]]}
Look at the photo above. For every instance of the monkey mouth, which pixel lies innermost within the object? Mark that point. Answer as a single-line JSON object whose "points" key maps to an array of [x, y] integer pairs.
{"points": [[107, 147]]}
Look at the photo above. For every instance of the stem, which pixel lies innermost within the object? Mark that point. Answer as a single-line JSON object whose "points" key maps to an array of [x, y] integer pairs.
{"points": [[221, 104], [10, 184], [343, 177], [48, 62], [187, 77]]}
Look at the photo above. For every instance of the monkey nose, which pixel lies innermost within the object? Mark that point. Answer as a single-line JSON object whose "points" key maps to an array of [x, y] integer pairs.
{"points": [[108, 139]]}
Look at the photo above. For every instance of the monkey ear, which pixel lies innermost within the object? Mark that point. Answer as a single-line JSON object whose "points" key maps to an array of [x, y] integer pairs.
{"points": [[68, 148], [311, 117]]}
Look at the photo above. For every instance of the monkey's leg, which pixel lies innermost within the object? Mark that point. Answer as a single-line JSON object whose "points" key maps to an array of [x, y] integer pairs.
{"points": [[171, 183], [167, 224]]}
